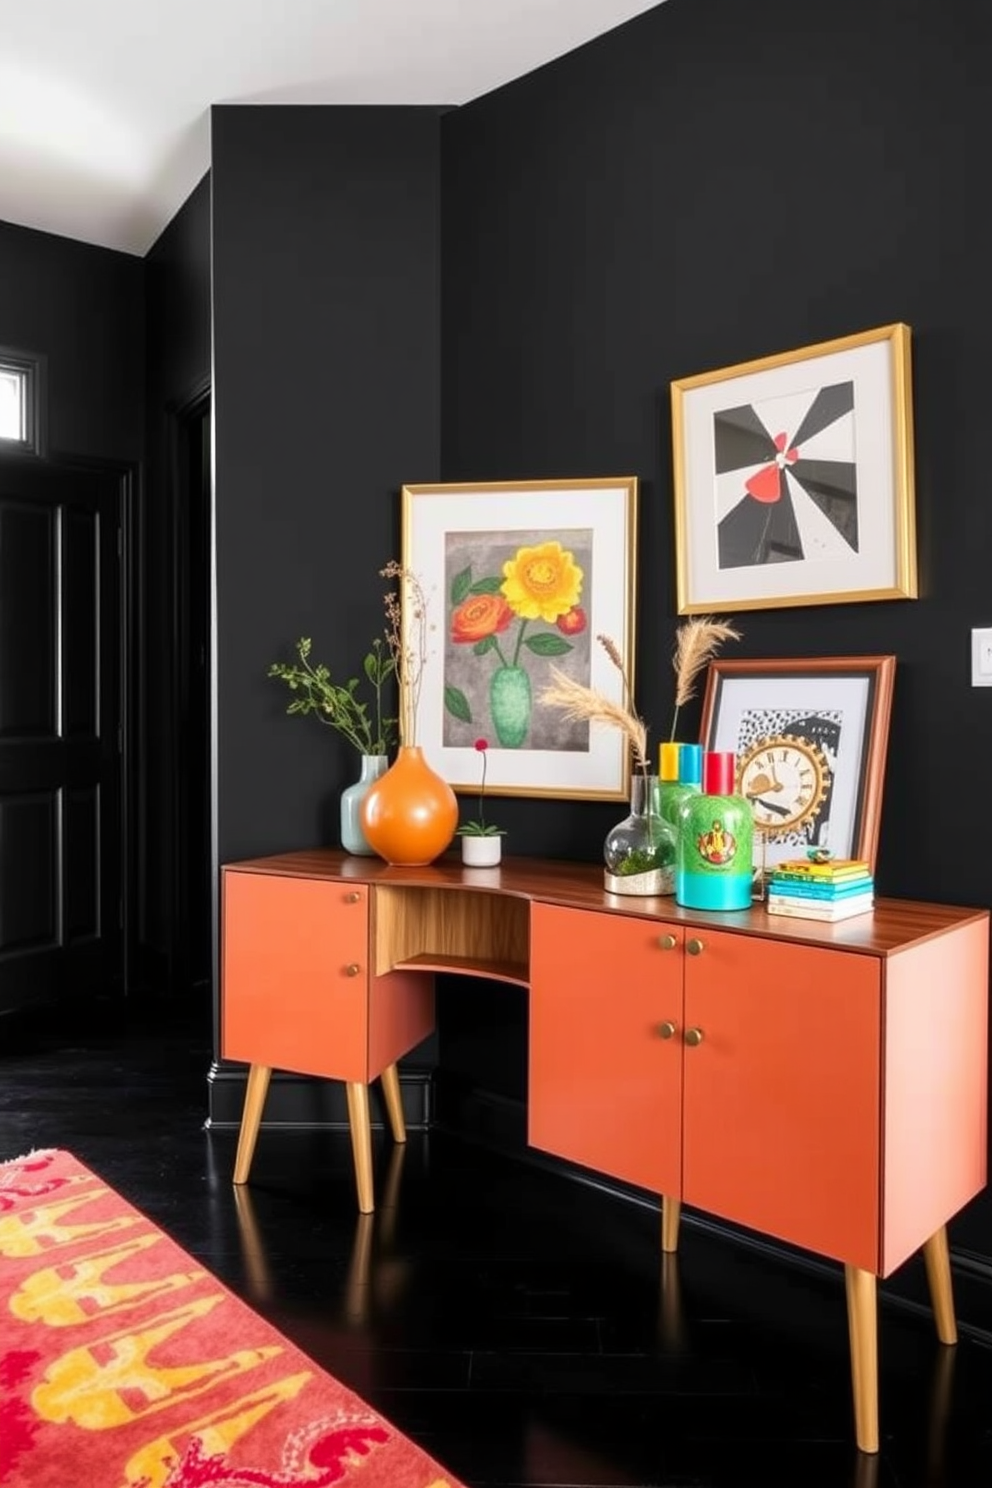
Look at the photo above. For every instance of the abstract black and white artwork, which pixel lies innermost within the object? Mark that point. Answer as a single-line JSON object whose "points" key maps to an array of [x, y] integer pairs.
{"points": [[793, 477], [787, 478]]}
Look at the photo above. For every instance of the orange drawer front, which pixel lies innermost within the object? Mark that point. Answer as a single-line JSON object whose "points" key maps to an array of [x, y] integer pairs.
{"points": [[605, 1079], [294, 974], [782, 1107]]}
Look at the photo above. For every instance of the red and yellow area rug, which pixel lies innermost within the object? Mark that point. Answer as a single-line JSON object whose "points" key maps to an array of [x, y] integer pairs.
{"points": [[124, 1364]]}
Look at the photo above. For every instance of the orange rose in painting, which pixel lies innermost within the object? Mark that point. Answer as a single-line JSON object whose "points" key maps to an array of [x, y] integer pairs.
{"points": [[573, 622], [479, 616]]}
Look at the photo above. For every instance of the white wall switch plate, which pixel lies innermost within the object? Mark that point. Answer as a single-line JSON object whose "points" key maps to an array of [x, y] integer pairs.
{"points": [[981, 658]]}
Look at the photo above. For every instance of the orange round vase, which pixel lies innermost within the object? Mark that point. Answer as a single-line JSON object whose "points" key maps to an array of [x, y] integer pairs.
{"points": [[410, 814]]}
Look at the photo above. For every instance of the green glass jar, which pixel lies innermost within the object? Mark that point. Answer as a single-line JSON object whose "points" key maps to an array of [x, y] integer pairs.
{"points": [[715, 841]]}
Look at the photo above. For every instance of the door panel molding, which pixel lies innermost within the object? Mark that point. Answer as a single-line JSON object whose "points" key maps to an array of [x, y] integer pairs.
{"points": [[65, 876]]}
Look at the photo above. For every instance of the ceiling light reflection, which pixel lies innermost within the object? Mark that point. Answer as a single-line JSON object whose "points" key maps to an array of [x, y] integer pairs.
{"points": [[59, 119]]}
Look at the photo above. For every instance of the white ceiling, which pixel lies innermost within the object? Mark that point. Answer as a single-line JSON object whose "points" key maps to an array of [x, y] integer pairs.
{"points": [[105, 104]]}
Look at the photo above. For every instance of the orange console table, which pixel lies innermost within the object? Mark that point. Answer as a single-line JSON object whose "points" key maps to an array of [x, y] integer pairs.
{"points": [[822, 1084]]}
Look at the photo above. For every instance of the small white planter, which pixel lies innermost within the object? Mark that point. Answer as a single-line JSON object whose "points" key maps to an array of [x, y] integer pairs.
{"points": [[482, 852]]}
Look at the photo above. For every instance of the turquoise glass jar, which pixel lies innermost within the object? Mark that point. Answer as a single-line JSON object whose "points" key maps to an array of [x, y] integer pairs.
{"points": [[715, 841]]}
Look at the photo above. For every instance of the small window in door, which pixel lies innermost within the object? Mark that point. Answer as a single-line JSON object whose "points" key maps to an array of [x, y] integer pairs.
{"points": [[21, 394]]}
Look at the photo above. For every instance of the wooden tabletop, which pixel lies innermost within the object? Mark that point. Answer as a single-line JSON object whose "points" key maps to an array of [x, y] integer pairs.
{"points": [[893, 925]]}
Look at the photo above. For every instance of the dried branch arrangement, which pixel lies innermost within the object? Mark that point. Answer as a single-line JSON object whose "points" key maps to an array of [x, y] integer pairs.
{"points": [[406, 637]]}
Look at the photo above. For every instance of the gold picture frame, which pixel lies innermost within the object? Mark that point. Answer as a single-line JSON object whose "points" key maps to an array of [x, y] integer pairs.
{"points": [[794, 479], [836, 709], [464, 541]]}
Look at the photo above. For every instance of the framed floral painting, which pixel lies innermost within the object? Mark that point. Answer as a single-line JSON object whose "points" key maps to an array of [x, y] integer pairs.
{"points": [[520, 578]]}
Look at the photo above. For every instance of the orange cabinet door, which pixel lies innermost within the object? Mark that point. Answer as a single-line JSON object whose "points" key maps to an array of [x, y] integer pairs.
{"points": [[294, 974], [605, 1084], [782, 1094]]}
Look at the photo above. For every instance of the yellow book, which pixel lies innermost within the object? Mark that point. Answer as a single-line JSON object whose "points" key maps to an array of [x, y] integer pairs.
{"points": [[831, 868]]}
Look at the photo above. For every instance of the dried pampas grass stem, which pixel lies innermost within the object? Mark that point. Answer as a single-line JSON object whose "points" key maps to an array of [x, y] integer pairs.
{"points": [[696, 643], [585, 704]]}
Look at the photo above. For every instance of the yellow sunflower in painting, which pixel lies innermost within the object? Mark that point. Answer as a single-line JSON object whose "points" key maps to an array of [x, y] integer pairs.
{"points": [[542, 583]]}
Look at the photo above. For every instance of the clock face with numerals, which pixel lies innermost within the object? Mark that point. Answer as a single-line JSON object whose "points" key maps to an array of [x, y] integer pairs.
{"points": [[785, 779]]}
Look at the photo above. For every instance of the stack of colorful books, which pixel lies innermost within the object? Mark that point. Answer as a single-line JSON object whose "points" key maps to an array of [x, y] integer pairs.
{"points": [[821, 889]]}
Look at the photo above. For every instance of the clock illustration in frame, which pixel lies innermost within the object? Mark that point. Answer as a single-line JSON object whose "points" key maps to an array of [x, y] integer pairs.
{"points": [[785, 772], [785, 779]]}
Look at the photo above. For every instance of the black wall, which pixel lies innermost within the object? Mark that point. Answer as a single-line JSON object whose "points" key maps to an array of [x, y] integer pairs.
{"points": [[327, 386], [82, 307], [710, 183], [179, 353]]}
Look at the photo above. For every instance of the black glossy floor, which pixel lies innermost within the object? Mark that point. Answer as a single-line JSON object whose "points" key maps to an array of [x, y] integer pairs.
{"points": [[524, 1329]]}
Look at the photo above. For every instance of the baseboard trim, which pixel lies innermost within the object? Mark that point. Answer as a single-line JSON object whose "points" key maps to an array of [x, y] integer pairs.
{"points": [[500, 1124], [304, 1102]]}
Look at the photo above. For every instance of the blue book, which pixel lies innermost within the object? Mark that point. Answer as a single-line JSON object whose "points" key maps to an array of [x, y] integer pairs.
{"points": [[819, 890]]}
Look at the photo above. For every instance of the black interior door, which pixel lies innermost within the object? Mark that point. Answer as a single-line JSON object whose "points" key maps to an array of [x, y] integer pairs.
{"points": [[60, 748]]}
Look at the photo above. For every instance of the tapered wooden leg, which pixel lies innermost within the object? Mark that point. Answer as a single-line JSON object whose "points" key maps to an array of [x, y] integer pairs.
{"points": [[862, 1325], [255, 1092], [937, 1260], [671, 1209], [394, 1102], [361, 1142]]}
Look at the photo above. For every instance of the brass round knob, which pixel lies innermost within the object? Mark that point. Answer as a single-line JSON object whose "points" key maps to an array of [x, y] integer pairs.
{"points": [[667, 942], [353, 898], [693, 1037], [353, 969], [694, 947], [667, 1029]]}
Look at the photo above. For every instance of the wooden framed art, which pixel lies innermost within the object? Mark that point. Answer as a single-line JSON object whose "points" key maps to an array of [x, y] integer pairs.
{"points": [[810, 738], [794, 480], [521, 576]]}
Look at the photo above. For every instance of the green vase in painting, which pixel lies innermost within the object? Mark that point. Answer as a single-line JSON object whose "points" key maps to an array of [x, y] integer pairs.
{"points": [[510, 703]]}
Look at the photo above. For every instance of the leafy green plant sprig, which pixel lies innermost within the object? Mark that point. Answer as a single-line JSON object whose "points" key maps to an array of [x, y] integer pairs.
{"points": [[338, 704]]}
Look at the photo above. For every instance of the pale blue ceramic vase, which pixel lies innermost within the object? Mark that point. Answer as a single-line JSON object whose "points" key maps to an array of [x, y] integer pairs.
{"points": [[353, 839]]}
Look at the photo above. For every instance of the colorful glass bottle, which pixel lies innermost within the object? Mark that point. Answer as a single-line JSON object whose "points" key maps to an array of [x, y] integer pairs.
{"points": [[666, 782], [680, 775], [715, 841]]}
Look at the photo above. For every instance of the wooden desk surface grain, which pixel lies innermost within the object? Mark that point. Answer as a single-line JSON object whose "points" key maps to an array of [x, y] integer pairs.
{"points": [[893, 926]]}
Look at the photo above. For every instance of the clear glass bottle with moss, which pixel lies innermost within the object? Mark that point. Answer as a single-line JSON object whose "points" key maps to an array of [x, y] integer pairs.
{"points": [[640, 850]]}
